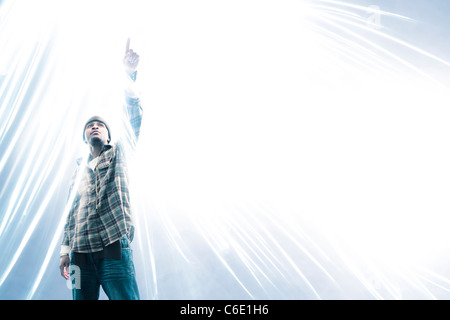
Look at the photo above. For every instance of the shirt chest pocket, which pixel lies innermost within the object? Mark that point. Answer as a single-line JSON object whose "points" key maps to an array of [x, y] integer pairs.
{"points": [[103, 172]]}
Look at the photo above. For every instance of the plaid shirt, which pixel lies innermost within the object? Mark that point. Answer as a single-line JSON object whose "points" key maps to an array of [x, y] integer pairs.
{"points": [[100, 213]]}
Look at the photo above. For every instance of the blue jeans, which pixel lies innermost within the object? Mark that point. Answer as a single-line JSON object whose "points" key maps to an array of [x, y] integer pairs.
{"points": [[116, 277]]}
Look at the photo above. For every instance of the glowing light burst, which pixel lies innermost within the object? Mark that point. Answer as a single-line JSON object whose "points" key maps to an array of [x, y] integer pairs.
{"points": [[290, 149]]}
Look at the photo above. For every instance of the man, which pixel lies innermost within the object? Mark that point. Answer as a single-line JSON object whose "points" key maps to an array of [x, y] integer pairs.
{"points": [[99, 226]]}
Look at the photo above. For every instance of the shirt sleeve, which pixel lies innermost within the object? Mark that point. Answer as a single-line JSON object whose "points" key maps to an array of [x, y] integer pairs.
{"points": [[132, 113], [70, 221]]}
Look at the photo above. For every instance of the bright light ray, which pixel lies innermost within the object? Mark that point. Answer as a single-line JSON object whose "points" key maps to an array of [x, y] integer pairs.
{"points": [[328, 17], [289, 149], [56, 238]]}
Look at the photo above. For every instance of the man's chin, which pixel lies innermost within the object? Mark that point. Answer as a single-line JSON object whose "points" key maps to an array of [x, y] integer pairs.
{"points": [[96, 141]]}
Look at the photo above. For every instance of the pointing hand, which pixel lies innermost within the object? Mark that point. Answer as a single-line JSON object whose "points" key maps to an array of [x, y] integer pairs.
{"points": [[131, 58]]}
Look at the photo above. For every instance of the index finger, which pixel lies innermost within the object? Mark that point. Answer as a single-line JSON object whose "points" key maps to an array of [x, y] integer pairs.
{"points": [[128, 46]]}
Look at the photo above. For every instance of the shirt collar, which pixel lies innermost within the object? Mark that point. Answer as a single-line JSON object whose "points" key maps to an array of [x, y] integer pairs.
{"points": [[105, 148]]}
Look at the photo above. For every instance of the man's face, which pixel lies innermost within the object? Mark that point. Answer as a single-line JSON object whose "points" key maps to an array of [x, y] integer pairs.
{"points": [[95, 132]]}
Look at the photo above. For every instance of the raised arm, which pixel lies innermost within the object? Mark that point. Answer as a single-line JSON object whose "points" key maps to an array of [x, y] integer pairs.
{"points": [[133, 103]]}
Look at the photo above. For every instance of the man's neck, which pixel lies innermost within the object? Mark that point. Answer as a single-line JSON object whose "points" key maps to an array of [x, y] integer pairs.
{"points": [[96, 150]]}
